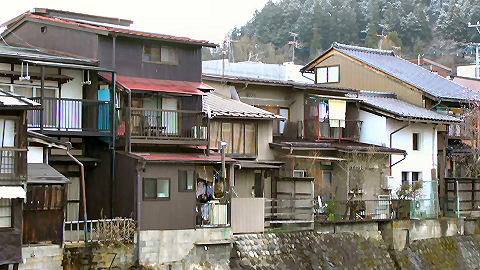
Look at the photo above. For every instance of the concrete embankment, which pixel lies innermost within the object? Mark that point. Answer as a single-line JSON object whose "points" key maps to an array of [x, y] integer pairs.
{"points": [[308, 250]]}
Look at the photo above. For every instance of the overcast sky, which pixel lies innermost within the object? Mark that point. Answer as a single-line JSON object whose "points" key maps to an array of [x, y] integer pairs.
{"points": [[200, 19]]}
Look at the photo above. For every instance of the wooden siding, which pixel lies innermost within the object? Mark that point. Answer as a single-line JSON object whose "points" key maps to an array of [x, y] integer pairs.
{"points": [[55, 38], [11, 238], [358, 76]]}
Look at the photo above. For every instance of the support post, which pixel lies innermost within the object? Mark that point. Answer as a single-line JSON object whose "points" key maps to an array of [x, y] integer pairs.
{"points": [[113, 127], [42, 96]]}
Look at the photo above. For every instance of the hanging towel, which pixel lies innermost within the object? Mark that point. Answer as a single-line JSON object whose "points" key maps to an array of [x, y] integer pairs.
{"points": [[337, 110], [322, 112]]}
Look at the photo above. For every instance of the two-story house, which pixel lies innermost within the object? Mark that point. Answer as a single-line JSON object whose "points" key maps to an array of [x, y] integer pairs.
{"points": [[13, 173], [382, 71]]}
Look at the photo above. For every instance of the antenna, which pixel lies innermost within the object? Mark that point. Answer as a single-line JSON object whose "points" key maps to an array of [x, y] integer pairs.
{"points": [[26, 77], [477, 56], [87, 82], [294, 43]]}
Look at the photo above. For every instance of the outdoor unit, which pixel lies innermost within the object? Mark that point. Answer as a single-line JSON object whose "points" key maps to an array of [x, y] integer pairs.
{"points": [[299, 173], [387, 182]]}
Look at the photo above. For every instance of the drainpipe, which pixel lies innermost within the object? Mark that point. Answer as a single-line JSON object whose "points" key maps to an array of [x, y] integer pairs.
{"points": [[390, 157], [82, 176], [112, 165], [308, 78], [139, 194], [42, 96]]}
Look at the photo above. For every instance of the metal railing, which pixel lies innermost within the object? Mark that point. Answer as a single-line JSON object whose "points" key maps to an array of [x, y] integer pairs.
{"points": [[212, 214], [101, 230], [458, 130], [289, 210], [65, 114], [328, 129], [13, 164], [168, 124]]}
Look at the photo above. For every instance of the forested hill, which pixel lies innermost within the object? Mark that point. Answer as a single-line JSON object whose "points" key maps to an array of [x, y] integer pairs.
{"points": [[437, 28]]}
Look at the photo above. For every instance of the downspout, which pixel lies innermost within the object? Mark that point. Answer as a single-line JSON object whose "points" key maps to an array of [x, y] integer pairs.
{"points": [[390, 157], [139, 194], [82, 176], [42, 96], [112, 165], [308, 77]]}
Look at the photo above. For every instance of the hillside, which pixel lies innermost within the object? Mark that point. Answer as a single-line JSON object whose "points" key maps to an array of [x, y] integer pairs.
{"points": [[436, 28]]}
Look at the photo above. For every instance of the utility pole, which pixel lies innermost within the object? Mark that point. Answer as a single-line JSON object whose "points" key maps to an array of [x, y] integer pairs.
{"points": [[477, 56], [294, 44]]}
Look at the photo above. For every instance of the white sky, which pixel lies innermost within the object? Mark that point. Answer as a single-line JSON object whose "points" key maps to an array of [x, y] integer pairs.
{"points": [[199, 19]]}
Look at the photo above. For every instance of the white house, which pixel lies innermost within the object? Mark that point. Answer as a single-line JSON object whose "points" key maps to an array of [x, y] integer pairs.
{"points": [[388, 121]]}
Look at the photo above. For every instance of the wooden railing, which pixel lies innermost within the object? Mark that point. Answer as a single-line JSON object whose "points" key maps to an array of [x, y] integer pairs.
{"points": [[316, 130], [289, 211], [74, 115], [13, 164], [157, 124]]}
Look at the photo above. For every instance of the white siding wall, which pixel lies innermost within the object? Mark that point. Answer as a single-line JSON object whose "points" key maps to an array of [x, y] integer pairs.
{"points": [[374, 129]]}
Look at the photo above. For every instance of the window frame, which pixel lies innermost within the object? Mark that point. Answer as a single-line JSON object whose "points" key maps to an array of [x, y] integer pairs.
{"points": [[418, 141], [12, 215], [157, 198], [327, 70], [180, 188], [177, 52]]}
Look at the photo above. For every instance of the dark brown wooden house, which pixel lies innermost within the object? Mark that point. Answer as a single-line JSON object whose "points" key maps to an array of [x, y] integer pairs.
{"points": [[13, 173]]}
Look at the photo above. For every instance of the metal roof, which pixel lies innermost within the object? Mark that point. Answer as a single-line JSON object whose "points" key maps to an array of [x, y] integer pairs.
{"points": [[13, 101], [23, 53], [181, 157], [41, 173], [418, 77], [402, 109], [92, 26], [344, 147], [155, 85], [220, 107]]}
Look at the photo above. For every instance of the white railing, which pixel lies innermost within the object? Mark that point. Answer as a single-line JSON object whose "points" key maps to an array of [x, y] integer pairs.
{"points": [[101, 230]]}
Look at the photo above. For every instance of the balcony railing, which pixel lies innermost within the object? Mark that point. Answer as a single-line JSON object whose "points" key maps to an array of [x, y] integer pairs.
{"points": [[148, 125], [458, 130], [13, 164], [71, 115], [117, 230], [316, 130], [212, 214]]}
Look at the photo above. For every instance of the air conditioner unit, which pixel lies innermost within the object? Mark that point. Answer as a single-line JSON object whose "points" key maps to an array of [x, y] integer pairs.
{"points": [[299, 173], [387, 182]]}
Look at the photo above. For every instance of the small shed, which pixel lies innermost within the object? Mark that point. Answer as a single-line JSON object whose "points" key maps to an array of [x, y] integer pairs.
{"points": [[44, 211]]}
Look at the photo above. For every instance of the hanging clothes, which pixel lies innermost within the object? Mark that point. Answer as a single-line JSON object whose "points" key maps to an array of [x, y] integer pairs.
{"points": [[322, 111], [337, 111], [200, 188]]}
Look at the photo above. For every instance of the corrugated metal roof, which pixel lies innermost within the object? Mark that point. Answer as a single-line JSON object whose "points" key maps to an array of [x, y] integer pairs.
{"points": [[117, 30], [11, 100], [173, 157], [227, 107], [42, 55], [335, 146], [41, 173], [387, 62], [168, 86], [403, 109]]}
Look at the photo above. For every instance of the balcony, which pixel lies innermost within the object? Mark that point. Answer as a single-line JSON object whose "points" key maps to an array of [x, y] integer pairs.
{"points": [[13, 165], [316, 130], [165, 126], [459, 131], [65, 116]]}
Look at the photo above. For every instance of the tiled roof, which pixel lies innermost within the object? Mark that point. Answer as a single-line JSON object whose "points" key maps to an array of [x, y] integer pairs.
{"points": [[227, 107], [12, 101], [402, 109], [117, 30], [387, 62]]}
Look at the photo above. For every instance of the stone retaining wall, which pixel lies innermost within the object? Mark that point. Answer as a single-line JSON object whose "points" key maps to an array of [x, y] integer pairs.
{"points": [[42, 257]]}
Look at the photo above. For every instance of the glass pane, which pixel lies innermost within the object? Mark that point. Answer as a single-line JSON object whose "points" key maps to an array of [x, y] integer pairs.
{"points": [[284, 113], [185, 179], [151, 54], [163, 189], [7, 133], [227, 136], [190, 180], [5, 213], [322, 75], [169, 55], [333, 74], [238, 138], [251, 138], [23, 91], [149, 188]]}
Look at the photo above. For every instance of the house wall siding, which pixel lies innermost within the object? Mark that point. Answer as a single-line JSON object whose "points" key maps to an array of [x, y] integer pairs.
{"points": [[56, 38], [11, 238], [357, 76]]}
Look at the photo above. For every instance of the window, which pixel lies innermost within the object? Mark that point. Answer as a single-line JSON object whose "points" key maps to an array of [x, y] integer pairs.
{"points": [[278, 125], [405, 176], [156, 189], [328, 74], [5, 213], [185, 180], [163, 55], [416, 176], [241, 137], [416, 141]]}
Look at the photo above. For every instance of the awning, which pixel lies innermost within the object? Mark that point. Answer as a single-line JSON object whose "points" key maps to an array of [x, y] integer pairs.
{"points": [[155, 85], [41, 173], [12, 192]]}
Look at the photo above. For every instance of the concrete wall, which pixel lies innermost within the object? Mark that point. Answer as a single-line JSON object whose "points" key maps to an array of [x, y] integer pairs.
{"points": [[42, 257], [170, 246]]}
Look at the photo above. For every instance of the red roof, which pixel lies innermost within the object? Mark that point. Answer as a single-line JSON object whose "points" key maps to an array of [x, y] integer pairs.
{"points": [[168, 86], [182, 157], [119, 30]]}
